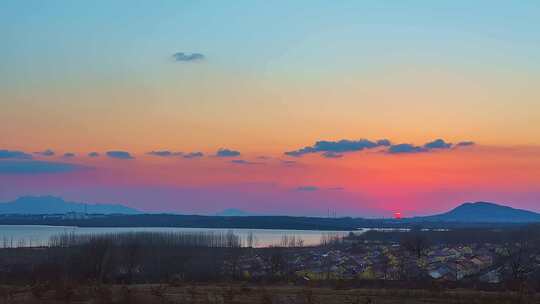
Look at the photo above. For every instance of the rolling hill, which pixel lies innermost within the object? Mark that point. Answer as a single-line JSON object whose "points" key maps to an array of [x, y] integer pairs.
{"points": [[483, 212]]}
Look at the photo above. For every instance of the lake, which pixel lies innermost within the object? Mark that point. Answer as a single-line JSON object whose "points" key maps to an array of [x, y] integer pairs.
{"points": [[35, 236]]}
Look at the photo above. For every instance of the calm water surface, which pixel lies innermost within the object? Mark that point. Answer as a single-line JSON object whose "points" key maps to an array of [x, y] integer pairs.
{"points": [[31, 236]]}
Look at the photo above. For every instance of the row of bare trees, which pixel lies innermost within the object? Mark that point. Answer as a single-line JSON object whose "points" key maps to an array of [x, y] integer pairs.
{"points": [[518, 261], [168, 239], [141, 257]]}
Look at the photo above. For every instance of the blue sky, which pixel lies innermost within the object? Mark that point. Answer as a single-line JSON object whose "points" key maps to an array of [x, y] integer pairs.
{"points": [[66, 39]]}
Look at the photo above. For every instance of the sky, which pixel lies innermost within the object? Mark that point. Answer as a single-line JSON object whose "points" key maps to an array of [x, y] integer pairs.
{"points": [[364, 108]]}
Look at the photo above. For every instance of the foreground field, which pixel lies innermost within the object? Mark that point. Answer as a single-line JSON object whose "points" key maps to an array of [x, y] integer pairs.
{"points": [[237, 294]]}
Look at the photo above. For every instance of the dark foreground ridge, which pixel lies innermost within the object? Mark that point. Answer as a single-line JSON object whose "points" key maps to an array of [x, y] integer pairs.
{"points": [[252, 294]]}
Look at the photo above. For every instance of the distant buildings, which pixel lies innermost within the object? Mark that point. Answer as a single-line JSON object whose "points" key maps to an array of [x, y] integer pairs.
{"points": [[384, 262]]}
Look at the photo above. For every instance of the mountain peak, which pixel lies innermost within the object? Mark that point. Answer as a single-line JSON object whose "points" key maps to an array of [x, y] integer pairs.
{"points": [[31, 199], [485, 212], [482, 204]]}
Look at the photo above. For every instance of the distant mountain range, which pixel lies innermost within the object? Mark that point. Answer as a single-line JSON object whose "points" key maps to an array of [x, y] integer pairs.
{"points": [[478, 212], [56, 205], [482, 212]]}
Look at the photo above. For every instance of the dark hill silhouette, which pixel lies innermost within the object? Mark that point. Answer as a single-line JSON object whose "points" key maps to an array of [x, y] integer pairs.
{"points": [[56, 205], [483, 212], [233, 212], [28, 211]]}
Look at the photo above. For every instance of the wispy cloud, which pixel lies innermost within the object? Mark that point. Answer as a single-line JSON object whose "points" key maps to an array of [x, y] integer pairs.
{"points": [[47, 152], [337, 149], [307, 188], [93, 154], [405, 148], [165, 153], [187, 57], [437, 144], [245, 162], [69, 155], [333, 149], [193, 155], [35, 167], [227, 153], [465, 144], [332, 155], [119, 155], [11, 154]]}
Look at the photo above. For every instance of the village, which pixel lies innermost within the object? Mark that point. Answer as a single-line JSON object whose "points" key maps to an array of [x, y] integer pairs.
{"points": [[379, 262]]}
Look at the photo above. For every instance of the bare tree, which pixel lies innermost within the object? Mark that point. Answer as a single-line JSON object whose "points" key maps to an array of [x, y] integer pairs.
{"points": [[131, 257], [250, 240], [517, 258], [97, 254], [277, 261], [407, 265], [384, 262], [416, 243]]}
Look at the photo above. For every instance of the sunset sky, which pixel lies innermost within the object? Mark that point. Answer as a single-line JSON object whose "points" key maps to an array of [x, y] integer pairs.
{"points": [[273, 107]]}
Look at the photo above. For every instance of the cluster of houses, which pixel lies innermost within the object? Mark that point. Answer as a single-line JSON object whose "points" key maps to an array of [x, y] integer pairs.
{"points": [[454, 264], [380, 262]]}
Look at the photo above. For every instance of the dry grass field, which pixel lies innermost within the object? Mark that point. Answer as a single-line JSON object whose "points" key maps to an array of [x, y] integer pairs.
{"points": [[240, 294]]}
